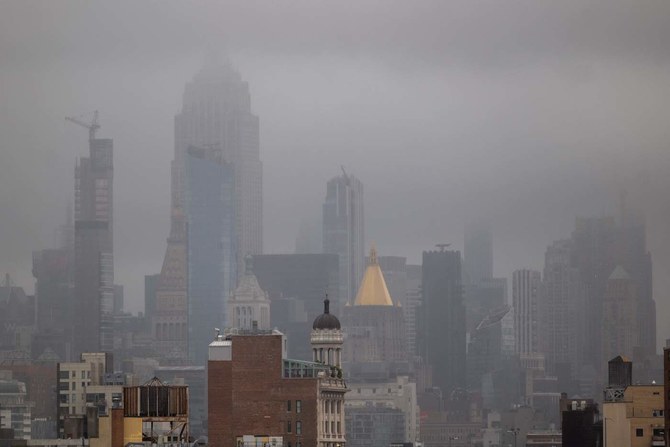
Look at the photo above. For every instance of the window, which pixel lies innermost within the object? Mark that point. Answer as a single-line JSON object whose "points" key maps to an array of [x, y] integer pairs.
{"points": [[657, 413], [298, 428], [63, 374], [288, 405], [288, 427], [339, 428], [298, 406], [74, 386], [639, 432]]}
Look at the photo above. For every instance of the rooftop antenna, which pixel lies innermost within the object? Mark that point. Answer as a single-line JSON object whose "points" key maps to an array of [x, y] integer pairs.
{"points": [[442, 247]]}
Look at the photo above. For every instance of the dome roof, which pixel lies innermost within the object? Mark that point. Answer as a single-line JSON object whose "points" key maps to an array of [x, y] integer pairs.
{"points": [[326, 320]]}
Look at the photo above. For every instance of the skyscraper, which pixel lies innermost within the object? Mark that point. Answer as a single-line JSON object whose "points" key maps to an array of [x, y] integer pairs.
{"points": [[210, 212], [620, 318], [343, 231], [593, 241], [561, 311], [525, 299], [216, 115], [477, 253], [93, 248], [441, 334]]}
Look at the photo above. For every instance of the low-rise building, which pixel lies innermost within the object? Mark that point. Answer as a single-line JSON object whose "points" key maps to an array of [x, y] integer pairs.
{"points": [[636, 418], [254, 389]]}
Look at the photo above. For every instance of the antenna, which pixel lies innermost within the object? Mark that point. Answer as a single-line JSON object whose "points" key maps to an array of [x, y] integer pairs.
{"points": [[442, 246]]}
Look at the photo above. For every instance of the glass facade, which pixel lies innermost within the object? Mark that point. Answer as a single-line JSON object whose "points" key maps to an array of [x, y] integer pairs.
{"points": [[212, 262]]}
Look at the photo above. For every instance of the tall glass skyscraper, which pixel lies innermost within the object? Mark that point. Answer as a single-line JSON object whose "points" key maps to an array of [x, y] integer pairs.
{"points": [[212, 270], [343, 231]]}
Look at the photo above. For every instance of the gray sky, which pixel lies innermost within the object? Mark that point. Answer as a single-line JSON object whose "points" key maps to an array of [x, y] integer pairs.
{"points": [[527, 113]]}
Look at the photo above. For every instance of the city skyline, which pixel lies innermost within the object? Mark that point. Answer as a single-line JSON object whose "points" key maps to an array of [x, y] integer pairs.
{"points": [[570, 175]]}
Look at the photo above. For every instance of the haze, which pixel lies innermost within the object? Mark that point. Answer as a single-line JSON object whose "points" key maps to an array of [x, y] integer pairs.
{"points": [[525, 113]]}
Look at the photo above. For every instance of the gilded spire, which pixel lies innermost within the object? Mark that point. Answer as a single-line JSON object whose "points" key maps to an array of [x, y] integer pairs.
{"points": [[373, 290]]}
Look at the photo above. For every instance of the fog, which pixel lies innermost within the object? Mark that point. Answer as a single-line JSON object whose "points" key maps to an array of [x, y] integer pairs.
{"points": [[525, 113]]}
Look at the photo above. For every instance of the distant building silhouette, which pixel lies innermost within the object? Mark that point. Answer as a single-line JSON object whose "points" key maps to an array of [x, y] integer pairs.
{"points": [[442, 328], [344, 231], [94, 249], [562, 312], [296, 284], [210, 210], [620, 323], [477, 253], [525, 300]]}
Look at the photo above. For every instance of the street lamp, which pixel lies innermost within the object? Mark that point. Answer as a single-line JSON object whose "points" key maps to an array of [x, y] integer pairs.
{"points": [[515, 431]]}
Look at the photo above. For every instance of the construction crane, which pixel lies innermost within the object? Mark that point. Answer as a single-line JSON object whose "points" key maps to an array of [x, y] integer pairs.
{"points": [[92, 127]]}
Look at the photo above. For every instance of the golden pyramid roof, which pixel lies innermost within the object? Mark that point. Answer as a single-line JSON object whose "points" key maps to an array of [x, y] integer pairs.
{"points": [[373, 290]]}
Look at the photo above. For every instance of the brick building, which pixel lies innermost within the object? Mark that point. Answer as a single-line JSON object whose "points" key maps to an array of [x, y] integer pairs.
{"points": [[254, 390]]}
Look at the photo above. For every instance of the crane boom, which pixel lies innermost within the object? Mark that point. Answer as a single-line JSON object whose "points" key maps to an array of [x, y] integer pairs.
{"points": [[92, 127]]}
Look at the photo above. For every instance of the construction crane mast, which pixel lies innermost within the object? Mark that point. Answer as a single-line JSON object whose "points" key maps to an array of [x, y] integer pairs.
{"points": [[92, 127]]}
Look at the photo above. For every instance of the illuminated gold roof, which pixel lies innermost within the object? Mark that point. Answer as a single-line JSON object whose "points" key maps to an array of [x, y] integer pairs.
{"points": [[373, 291]]}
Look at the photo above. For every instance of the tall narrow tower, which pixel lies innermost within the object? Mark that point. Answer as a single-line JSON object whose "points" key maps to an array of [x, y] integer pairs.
{"points": [[93, 245], [525, 299], [343, 231]]}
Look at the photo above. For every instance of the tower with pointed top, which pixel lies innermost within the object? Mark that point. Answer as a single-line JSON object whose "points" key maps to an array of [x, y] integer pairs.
{"points": [[374, 324], [249, 305]]}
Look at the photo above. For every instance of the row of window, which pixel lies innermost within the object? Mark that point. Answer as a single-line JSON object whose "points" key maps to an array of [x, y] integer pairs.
{"points": [[298, 406], [66, 374]]}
